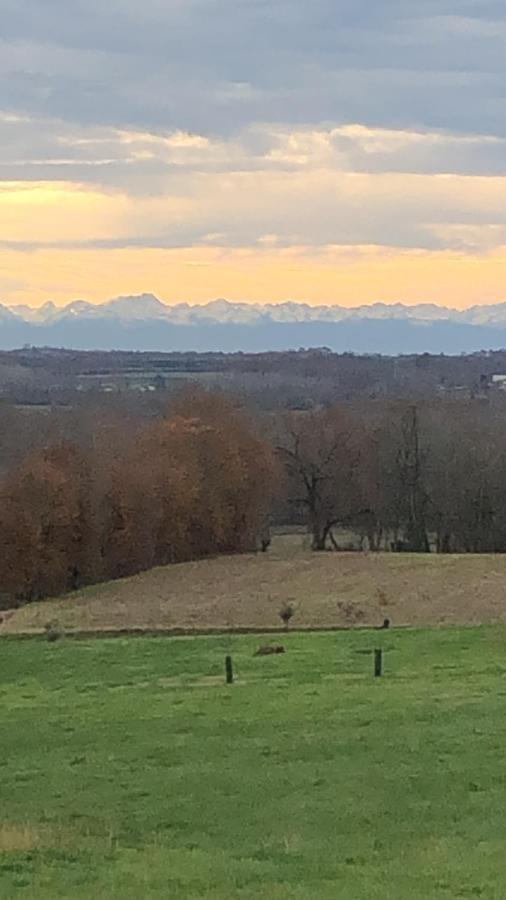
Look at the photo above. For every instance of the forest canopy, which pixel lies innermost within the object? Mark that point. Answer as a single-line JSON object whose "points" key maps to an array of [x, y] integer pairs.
{"points": [[181, 487]]}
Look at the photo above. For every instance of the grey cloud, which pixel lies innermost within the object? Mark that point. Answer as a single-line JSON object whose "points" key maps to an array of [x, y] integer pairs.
{"points": [[151, 163], [242, 211], [182, 64], [250, 74]]}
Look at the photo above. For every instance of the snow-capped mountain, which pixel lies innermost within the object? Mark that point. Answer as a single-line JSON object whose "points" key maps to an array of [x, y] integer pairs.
{"points": [[147, 306], [145, 322]]}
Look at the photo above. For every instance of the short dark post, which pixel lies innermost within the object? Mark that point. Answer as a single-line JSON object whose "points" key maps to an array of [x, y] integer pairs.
{"points": [[378, 663], [229, 670]]}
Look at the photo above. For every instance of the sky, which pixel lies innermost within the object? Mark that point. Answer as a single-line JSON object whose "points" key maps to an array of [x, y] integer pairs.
{"points": [[327, 151]]}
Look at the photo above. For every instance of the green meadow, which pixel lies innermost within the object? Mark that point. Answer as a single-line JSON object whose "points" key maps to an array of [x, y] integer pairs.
{"points": [[130, 770]]}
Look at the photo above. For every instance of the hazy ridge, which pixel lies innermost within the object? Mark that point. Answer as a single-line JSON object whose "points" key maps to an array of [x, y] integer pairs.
{"points": [[143, 322]]}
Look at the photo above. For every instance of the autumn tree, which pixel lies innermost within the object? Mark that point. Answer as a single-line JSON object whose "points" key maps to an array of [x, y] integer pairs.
{"points": [[54, 551], [195, 482]]}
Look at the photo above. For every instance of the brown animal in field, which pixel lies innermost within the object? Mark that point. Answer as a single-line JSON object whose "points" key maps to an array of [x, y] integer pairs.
{"points": [[270, 650]]}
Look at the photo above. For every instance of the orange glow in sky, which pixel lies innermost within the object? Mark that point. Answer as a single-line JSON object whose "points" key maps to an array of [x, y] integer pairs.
{"points": [[63, 240], [333, 275]]}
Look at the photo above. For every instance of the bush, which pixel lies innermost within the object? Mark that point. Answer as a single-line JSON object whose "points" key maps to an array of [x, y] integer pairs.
{"points": [[286, 613]]}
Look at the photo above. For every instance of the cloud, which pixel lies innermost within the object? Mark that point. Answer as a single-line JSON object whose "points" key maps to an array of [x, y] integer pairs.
{"points": [[348, 185], [252, 125], [215, 65]]}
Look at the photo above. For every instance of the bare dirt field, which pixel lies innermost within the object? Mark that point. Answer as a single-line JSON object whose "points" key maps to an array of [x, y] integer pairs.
{"points": [[326, 589]]}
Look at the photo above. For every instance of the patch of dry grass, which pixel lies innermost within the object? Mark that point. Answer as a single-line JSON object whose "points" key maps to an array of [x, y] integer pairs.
{"points": [[326, 589], [25, 837], [21, 837]]}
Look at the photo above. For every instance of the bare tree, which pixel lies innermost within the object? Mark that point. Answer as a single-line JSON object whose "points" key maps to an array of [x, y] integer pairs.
{"points": [[411, 460], [320, 453]]}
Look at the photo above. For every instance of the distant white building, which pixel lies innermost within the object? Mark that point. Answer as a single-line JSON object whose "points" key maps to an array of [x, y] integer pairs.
{"points": [[499, 381]]}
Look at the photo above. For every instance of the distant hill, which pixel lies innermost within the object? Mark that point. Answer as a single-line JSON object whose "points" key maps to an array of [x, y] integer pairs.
{"points": [[145, 323]]}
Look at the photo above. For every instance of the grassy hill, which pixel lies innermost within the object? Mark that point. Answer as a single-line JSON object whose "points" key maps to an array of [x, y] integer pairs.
{"points": [[247, 591], [129, 769]]}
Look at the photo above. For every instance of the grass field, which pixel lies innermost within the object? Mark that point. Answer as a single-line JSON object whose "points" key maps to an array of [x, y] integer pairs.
{"points": [[327, 589], [130, 771]]}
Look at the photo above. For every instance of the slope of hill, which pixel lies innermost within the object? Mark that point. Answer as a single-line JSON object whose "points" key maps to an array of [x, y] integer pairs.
{"points": [[327, 590]]}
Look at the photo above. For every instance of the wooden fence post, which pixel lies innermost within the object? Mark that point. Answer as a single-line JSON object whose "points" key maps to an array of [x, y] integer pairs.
{"points": [[229, 671], [378, 663]]}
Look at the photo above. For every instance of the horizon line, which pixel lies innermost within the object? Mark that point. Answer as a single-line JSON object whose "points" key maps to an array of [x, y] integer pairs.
{"points": [[404, 304]]}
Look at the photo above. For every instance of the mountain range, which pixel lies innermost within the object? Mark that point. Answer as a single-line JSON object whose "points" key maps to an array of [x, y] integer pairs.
{"points": [[143, 322]]}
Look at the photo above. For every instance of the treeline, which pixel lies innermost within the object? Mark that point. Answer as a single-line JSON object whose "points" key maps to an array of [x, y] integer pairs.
{"points": [[426, 478], [182, 487], [301, 379], [97, 493]]}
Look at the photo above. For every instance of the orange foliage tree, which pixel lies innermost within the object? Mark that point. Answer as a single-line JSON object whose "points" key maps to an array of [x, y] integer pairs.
{"points": [[194, 483]]}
